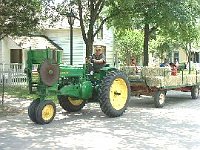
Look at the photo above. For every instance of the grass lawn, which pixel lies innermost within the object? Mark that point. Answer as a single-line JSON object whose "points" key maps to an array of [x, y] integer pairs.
{"points": [[22, 92]]}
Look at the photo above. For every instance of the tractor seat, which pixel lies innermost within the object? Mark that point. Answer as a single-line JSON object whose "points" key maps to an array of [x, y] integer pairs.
{"points": [[107, 65]]}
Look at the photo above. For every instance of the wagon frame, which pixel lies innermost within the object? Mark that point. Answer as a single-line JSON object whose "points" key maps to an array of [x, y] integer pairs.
{"points": [[156, 81]]}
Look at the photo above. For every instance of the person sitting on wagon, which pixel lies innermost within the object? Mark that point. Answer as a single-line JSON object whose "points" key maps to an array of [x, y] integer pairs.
{"points": [[165, 63], [173, 69], [98, 59], [134, 64]]}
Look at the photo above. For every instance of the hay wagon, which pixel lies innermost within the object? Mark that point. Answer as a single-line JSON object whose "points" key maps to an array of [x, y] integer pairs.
{"points": [[156, 81]]}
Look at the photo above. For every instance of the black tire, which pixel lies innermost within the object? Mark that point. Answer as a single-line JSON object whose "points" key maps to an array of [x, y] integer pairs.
{"points": [[159, 99], [45, 112], [195, 92], [70, 104], [114, 94], [32, 109]]}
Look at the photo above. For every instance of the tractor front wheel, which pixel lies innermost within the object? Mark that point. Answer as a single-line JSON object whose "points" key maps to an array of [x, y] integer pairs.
{"points": [[32, 109], [70, 104], [45, 112], [114, 94]]}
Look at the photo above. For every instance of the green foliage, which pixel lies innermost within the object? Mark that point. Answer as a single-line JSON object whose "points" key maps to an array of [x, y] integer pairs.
{"points": [[19, 17], [161, 46], [129, 44], [90, 15], [176, 19]]}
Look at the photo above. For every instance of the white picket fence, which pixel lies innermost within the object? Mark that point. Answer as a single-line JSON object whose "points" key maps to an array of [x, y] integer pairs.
{"points": [[12, 75]]}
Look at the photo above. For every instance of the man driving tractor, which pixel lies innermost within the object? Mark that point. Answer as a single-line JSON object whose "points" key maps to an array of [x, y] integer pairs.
{"points": [[98, 59]]}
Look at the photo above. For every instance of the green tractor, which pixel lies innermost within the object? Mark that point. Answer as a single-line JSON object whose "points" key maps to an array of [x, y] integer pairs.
{"points": [[74, 86]]}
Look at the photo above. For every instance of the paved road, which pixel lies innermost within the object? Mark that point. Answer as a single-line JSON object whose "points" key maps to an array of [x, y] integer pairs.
{"points": [[176, 126]]}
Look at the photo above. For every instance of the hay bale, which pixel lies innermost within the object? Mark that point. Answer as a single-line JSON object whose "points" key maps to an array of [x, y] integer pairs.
{"points": [[129, 70], [155, 71]]}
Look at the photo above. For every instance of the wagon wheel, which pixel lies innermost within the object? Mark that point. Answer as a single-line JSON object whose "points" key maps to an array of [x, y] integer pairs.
{"points": [[165, 92], [159, 99], [114, 94], [71, 104], [45, 112], [32, 109], [195, 92]]}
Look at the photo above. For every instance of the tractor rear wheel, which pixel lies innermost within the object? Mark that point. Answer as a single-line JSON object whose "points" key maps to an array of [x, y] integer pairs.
{"points": [[45, 112], [114, 94], [195, 92], [32, 109], [70, 104]]}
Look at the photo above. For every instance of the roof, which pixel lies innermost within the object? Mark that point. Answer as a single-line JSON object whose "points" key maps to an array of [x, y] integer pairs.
{"points": [[36, 42]]}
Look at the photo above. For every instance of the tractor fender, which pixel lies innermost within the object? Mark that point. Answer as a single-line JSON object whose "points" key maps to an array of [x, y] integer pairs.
{"points": [[86, 89]]}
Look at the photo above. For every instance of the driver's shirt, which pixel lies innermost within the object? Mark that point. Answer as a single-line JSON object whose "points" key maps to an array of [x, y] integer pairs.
{"points": [[97, 66]]}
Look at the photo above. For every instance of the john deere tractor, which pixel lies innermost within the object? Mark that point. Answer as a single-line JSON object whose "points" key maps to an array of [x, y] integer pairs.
{"points": [[74, 86]]}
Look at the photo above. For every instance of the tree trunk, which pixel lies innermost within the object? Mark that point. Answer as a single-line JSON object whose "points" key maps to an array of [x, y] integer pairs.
{"points": [[189, 57], [146, 45], [89, 47], [89, 43]]}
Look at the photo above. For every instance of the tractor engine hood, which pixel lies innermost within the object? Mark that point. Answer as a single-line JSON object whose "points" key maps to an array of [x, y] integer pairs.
{"points": [[71, 71]]}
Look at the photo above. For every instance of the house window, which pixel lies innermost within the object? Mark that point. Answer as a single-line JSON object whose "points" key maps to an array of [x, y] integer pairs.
{"points": [[197, 57], [176, 56], [16, 56], [170, 56]]}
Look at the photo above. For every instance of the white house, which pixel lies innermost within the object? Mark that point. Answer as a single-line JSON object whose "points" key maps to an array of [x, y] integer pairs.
{"points": [[13, 50], [9, 49], [62, 38]]}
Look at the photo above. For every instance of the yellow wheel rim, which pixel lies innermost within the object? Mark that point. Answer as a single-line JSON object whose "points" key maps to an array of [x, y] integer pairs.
{"points": [[118, 93], [75, 102], [48, 112]]}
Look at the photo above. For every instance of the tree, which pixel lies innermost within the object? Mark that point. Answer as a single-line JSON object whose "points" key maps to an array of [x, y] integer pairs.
{"points": [[160, 47], [91, 16], [19, 17], [187, 39], [154, 15], [128, 44]]}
